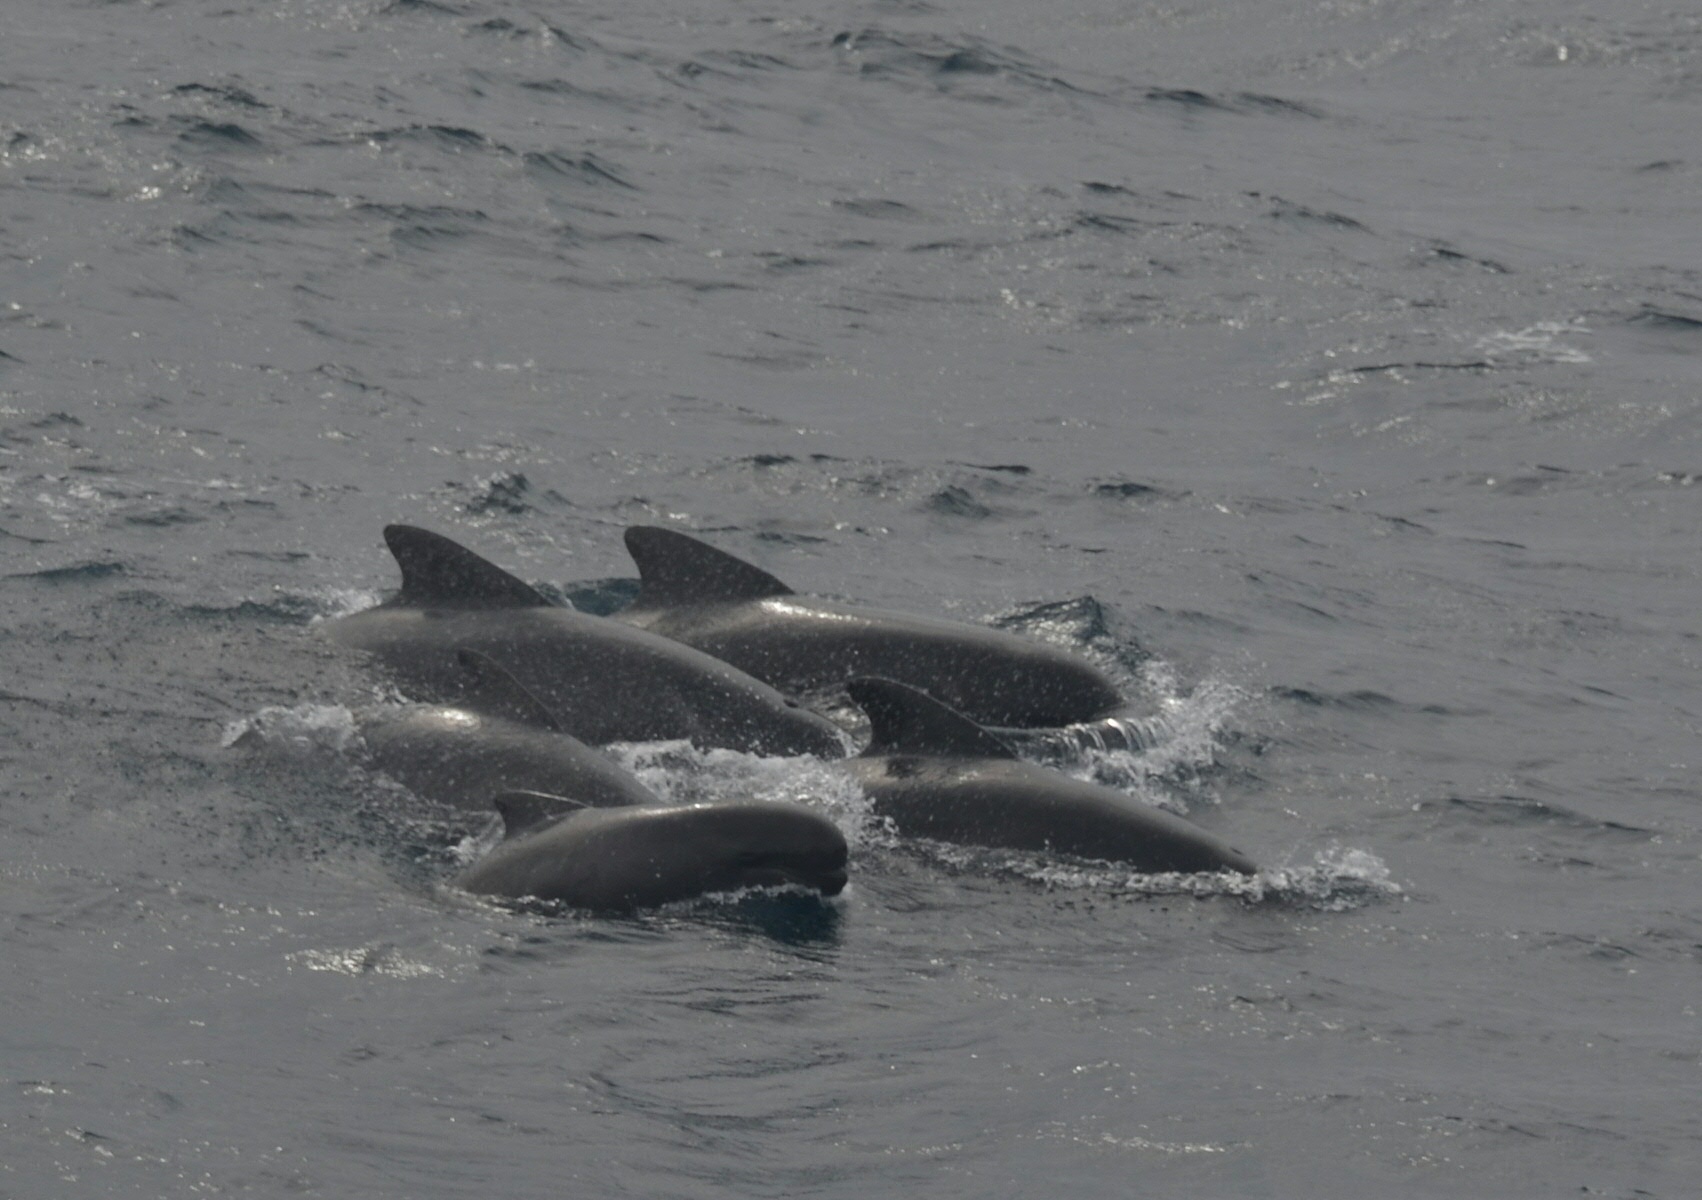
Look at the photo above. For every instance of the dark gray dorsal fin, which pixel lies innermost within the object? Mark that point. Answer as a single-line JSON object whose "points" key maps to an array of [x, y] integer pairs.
{"points": [[906, 721], [493, 691], [676, 569], [437, 571], [523, 812]]}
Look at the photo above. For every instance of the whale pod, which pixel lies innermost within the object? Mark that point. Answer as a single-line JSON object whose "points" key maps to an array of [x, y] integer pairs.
{"points": [[709, 599], [934, 773], [602, 680], [616, 860]]}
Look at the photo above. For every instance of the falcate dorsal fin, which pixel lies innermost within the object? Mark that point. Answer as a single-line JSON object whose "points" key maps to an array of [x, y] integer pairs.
{"points": [[493, 691], [437, 571], [676, 569], [523, 812], [906, 721]]}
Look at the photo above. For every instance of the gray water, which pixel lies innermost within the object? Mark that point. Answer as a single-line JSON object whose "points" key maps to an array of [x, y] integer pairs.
{"points": [[1333, 371]]}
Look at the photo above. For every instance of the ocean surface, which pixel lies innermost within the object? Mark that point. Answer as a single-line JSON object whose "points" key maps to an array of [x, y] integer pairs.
{"points": [[1329, 369]]}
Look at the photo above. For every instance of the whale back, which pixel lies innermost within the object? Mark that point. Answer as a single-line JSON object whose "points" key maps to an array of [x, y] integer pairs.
{"points": [[494, 691]]}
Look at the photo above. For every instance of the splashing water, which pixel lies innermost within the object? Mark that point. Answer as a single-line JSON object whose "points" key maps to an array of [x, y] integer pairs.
{"points": [[680, 773], [303, 727]]}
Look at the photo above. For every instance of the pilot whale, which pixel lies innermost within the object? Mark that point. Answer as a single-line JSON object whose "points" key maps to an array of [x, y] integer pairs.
{"points": [[616, 860], [500, 739], [934, 773], [709, 599], [603, 680]]}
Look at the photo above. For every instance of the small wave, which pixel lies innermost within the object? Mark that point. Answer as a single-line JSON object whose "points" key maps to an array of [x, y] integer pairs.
{"points": [[83, 572], [303, 727], [1339, 879], [680, 773], [1535, 344], [1082, 623], [1146, 755], [377, 959], [329, 603]]}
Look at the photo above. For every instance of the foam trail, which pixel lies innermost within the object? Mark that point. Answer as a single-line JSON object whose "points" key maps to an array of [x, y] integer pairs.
{"points": [[1071, 743]]}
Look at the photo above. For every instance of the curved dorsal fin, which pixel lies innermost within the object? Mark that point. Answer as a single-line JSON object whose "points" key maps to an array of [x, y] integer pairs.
{"points": [[437, 571], [523, 812], [676, 569], [906, 721], [492, 690]]}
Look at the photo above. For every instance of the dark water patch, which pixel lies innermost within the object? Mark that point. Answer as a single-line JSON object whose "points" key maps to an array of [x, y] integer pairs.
{"points": [[745, 61], [1102, 222], [1361, 700], [1474, 364], [954, 501], [452, 138], [1442, 253], [506, 493], [547, 167], [789, 537], [1219, 628], [214, 135], [962, 249], [224, 93], [1521, 811], [193, 238], [1129, 489], [64, 708], [1308, 599], [1084, 622], [84, 572], [501, 27], [706, 287], [1583, 946], [433, 8], [163, 518], [600, 597], [778, 262], [48, 421], [1542, 479], [274, 556], [1100, 187], [780, 351], [621, 237], [1185, 98], [353, 378], [1668, 321], [790, 919], [418, 214], [942, 62], [731, 65], [1000, 468], [1404, 525], [877, 209], [25, 538], [1277, 105], [1300, 214]]}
